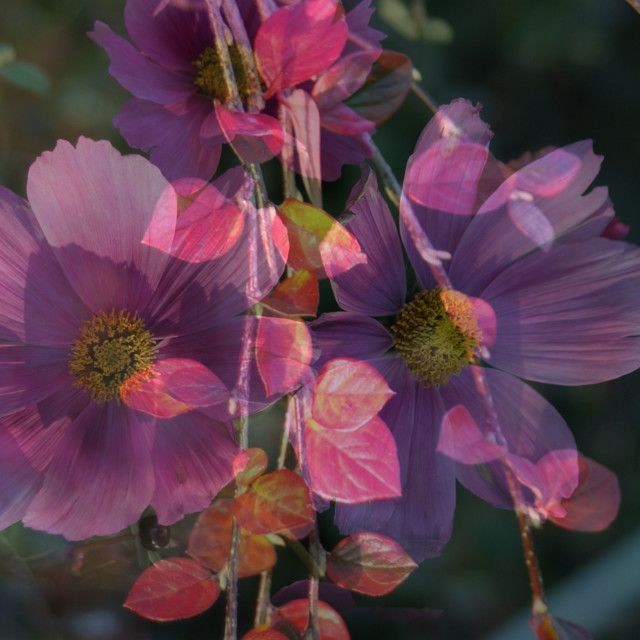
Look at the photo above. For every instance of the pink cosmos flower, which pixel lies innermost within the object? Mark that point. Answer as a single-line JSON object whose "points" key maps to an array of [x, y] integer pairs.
{"points": [[309, 56], [561, 310], [118, 360]]}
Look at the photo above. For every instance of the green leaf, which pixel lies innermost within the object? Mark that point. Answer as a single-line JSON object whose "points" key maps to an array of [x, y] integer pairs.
{"points": [[25, 75]]}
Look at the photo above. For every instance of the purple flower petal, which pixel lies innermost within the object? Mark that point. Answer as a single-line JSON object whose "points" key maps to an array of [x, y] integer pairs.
{"points": [[192, 459], [376, 288], [339, 150], [570, 316], [138, 74], [31, 283], [101, 476], [29, 374], [492, 241], [349, 335], [172, 132], [173, 37], [18, 481], [101, 225]]}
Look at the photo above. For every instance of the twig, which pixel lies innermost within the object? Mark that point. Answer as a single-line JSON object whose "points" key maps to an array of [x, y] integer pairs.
{"points": [[424, 97], [313, 626]]}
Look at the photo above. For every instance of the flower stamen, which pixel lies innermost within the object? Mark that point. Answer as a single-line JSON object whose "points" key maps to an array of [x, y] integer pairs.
{"points": [[113, 354], [437, 334]]}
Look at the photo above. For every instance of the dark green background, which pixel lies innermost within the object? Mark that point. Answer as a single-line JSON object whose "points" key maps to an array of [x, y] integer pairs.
{"points": [[547, 73]]}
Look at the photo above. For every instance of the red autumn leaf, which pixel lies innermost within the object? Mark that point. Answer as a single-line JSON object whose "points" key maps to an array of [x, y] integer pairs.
{"points": [[548, 627], [207, 224], [352, 466], [594, 505], [348, 393], [331, 625], [176, 385], [369, 563], [283, 353], [278, 502], [172, 589], [297, 42], [250, 464], [317, 242], [210, 541], [385, 89], [264, 634], [295, 296]]}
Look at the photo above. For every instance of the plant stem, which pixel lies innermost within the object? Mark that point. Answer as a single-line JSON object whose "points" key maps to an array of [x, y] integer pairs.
{"points": [[313, 626], [424, 97], [231, 615]]}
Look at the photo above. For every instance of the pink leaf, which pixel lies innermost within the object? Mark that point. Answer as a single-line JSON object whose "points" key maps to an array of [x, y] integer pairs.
{"points": [[347, 394], [548, 176], [353, 466], [297, 42], [462, 440], [255, 137], [369, 563], [283, 353], [172, 589], [530, 220], [594, 504], [208, 223], [176, 385], [445, 177]]}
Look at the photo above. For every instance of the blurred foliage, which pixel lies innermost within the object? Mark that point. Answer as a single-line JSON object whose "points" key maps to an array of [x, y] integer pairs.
{"points": [[547, 73]]}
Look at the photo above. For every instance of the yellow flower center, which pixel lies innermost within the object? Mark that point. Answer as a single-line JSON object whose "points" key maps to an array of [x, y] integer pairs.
{"points": [[112, 356], [436, 334], [210, 78]]}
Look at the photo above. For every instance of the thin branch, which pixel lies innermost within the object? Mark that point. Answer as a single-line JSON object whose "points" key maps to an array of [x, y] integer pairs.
{"points": [[313, 625], [424, 97], [231, 615], [263, 604]]}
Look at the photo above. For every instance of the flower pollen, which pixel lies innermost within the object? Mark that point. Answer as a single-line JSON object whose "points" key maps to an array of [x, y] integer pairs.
{"points": [[210, 75], [436, 334], [113, 355]]}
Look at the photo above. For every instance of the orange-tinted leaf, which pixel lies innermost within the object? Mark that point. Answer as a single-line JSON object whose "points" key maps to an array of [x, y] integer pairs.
{"points": [[296, 296], [348, 393], [210, 542], [594, 505], [331, 625], [369, 563], [172, 589], [352, 466], [250, 464], [317, 242], [264, 634], [283, 353], [278, 502]]}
